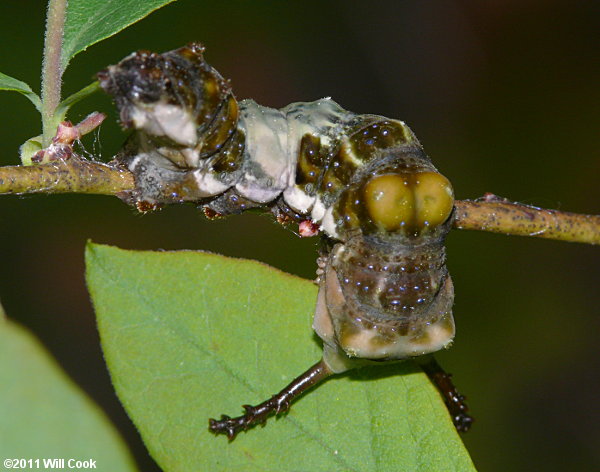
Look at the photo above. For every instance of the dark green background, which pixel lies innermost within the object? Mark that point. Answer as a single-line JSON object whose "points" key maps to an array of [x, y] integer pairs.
{"points": [[503, 95]]}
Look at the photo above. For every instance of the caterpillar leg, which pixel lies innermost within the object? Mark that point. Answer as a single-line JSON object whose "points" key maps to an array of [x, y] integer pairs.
{"points": [[278, 403], [455, 402]]}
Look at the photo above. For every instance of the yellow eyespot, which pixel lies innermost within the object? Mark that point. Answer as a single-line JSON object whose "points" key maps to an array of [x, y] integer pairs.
{"points": [[390, 201], [434, 199], [410, 202]]}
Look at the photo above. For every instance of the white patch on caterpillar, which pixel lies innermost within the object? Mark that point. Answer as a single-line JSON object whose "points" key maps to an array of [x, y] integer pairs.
{"points": [[208, 184], [256, 190], [164, 119], [267, 164], [317, 118], [134, 162], [318, 211], [328, 224], [324, 216], [192, 157], [438, 335], [297, 199], [350, 152]]}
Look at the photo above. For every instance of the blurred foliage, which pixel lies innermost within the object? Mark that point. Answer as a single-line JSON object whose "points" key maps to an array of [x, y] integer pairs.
{"points": [[44, 415], [503, 96]]}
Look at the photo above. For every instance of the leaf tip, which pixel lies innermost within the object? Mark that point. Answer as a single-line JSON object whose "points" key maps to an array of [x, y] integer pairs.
{"points": [[91, 250]]}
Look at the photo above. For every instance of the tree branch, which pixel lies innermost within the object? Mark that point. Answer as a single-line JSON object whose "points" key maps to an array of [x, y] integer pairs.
{"points": [[502, 216], [493, 214], [75, 175]]}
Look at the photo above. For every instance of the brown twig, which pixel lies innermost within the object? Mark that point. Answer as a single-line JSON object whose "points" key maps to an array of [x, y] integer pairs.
{"points": [[493, 214], [497, 215], [75, 175]]}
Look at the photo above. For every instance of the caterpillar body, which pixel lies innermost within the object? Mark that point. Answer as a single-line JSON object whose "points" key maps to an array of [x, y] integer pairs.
{"points": [[363, 180]]}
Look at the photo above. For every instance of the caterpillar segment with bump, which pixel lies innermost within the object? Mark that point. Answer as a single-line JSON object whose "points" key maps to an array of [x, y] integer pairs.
{"points": [[362, 181]]}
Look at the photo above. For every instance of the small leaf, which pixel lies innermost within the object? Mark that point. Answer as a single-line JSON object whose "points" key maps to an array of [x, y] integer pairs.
{"points": [[29, 148], [9, 83], [191, 335], [91, 21], [44, 415]]}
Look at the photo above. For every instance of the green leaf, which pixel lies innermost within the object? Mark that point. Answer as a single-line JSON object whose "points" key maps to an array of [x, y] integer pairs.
{"points": [[190, 335], [9, 83], [91, 21], [29, 148], [45, 415]]}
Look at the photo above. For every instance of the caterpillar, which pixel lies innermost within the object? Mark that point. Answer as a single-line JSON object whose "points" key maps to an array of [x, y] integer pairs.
{"points": [[363, 181]]}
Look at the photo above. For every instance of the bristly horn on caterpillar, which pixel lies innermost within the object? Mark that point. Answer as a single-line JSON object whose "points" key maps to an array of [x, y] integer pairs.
{"points": [[363, 180]]}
